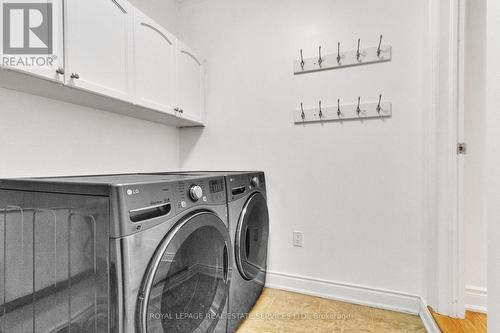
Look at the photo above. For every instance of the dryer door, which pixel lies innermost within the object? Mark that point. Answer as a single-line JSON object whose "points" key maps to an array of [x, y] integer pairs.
{"points": [[251, 237], [187, 282]]}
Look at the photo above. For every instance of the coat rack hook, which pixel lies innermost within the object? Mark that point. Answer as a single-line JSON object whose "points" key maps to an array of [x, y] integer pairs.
{"points": [[320, 114], [338, 53], [358, 53], [302, 62], [302, 115], [339, 113], [358, 109], [379, 50], [320, 58], [379, 108]]}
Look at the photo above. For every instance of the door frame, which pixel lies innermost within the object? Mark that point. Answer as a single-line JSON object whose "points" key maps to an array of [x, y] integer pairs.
{"points": [[443, 166]]}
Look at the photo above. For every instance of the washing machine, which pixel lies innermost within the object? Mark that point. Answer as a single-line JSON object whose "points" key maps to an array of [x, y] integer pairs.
{"points": [[249, 230], [115, 253]]}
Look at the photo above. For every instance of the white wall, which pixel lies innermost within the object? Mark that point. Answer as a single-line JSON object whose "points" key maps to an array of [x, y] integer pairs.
{"points": [[493, 162], [355, 188], [475, 127], [43, 137]]}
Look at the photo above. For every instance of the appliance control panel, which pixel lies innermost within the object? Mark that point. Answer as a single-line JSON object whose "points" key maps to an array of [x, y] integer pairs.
{"points": [[206, 191], [240, 185], [146, 205], [148, 201], [140, 206]]}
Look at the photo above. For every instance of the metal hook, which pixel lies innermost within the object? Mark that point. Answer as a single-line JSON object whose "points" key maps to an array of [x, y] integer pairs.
{"points": [[358, 54], [358, 109], [379, 50], [320, 59], [379, 108], [302, 62], [338, 53], [320, 111], [302, 115], [339, 113]]}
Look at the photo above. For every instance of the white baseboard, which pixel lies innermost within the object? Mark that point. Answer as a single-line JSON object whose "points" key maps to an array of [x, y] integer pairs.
{"points": [[385, 299], [476, 299], [427, 319], [362, 295]]}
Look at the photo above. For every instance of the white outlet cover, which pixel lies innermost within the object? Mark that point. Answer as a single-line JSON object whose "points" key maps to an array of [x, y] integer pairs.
{"points": [[298, 238]]}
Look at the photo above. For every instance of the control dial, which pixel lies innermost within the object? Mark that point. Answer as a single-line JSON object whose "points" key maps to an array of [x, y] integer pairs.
{"points": [[255, 182], [195, 192]]}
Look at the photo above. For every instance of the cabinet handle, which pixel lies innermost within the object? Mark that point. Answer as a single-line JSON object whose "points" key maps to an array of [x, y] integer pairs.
{"points": [[75, 76], [60, 71]]}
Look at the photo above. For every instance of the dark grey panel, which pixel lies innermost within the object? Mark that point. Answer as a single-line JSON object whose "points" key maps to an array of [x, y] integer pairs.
{"points": [[54, 263], [2, 269]]}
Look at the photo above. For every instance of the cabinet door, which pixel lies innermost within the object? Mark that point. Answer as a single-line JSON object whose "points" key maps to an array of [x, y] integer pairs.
{"points": [[98, 46], [155, 70], [39, 51], [191, 84]]}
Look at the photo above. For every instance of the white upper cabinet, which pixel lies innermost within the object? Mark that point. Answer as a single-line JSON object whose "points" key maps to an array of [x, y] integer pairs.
{"points": [[109, 55], [41, 53], [190, 84], [99, 46], [155, 65]]}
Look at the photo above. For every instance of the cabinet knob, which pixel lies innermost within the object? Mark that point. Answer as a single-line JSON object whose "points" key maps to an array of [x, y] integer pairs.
{"points": [[75, 76], [60, 71]]}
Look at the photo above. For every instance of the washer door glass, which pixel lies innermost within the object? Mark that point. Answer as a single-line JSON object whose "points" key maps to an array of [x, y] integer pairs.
{"points": [[187, 285], [251, 237]]}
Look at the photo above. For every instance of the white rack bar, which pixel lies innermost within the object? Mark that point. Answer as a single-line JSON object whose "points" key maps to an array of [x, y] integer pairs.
{"points": [[347, 59], [348, 112]]}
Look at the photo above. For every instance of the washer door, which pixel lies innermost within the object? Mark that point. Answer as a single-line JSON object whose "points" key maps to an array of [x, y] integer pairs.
{"points": [[251, 237], [186, 285]]}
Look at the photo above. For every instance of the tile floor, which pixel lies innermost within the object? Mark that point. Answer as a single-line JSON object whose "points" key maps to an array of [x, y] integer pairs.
{"points": [[285, 312]]}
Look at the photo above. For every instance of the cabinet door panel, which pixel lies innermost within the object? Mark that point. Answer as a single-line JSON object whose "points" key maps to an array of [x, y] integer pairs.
{"points": [[191, 85], [42, 65], [98, 45], [155, 71]]}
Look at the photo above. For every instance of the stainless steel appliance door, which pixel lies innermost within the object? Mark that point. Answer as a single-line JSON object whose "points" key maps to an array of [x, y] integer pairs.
{"points": [[186, 285], [251, 237]]}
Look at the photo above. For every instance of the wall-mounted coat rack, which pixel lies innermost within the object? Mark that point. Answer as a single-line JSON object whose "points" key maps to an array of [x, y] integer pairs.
{"points": [[341, 59], [341, 112]]}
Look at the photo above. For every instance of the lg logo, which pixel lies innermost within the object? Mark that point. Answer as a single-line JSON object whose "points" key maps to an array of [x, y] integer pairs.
{"points": [[27, 28], [132, 192]]}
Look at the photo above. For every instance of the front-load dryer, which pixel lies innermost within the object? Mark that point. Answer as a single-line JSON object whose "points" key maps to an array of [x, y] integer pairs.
{"points": [[249, 230], [119, 254]]}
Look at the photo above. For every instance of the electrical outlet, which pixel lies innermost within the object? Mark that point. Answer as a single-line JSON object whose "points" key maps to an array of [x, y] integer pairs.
{"points": [[298, 238]]}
